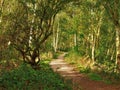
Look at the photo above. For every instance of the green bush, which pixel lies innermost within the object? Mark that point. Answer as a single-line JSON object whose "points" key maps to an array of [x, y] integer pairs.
{"points": [[26, 78]]}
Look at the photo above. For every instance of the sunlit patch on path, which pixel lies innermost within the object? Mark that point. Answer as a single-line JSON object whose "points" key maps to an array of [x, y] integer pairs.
{"points": [[79, 81]]}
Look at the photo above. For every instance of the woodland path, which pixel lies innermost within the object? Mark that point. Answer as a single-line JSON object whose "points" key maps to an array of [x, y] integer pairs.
{"points": [[79, 81]]}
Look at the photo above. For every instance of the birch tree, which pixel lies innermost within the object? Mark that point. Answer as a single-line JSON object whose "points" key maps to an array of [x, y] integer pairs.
{"points": [[56, 31], [29, 24], [113, 10]]}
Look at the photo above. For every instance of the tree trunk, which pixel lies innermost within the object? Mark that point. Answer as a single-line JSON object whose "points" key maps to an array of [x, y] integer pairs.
{"points": [[32, 58], [75, 41], [56, 38], [1, 8], [117, 46], [93, 48]]}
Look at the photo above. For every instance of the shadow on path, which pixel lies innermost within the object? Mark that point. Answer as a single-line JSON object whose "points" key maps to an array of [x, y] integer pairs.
{"points": [[79, 81]]}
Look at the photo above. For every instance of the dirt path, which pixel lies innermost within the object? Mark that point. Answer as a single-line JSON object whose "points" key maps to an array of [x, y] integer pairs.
{"points": [[80, 81]]}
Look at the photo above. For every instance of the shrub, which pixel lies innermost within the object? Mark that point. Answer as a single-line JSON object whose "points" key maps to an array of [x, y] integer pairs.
{"points": [[26, 78]]}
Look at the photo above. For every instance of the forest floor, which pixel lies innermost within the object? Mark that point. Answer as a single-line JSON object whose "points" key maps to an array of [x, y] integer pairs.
{"points": [[79, 81]]}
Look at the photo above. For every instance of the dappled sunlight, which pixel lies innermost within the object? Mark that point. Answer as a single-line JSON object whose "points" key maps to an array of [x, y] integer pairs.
{"points": [[76, 40], [60, 66], [79, 80], [65, 68]]}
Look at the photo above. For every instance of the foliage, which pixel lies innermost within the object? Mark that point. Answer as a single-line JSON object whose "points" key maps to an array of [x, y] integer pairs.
{"points": [[29, 24], [95, 77], [87, 29], [97, 72], [55, 55], [84, 70], [27, 78], [72, 57]]}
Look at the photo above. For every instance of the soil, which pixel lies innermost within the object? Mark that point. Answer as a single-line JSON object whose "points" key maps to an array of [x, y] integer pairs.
{"points": [[79, 81]]}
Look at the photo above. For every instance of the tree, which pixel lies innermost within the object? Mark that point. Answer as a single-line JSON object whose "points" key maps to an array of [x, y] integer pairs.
{"points": [[56, 34], [29, 23], [113, 11]]}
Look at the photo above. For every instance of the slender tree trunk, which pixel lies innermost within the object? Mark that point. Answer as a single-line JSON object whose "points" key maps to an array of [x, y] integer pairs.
{"points": [[56, 38], [117, 45], [31, 28], [75, 41], [113, 10], [55, 41], [93, 48], [112, 52], [1, 9], [95, 34]]}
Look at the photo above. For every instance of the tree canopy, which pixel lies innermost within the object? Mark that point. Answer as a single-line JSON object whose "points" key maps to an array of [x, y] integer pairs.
{"points": [[29, 23]]}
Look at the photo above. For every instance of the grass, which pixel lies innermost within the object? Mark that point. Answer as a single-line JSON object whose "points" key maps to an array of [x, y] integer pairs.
{"points": [[26, 78]]}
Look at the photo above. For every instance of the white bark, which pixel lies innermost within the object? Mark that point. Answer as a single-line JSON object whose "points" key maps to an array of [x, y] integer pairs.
{"points": [[95, 34], [56, 38], [75, 39], [112, 55], [1, 8], [93, 48], [33, 20], [117, 43]]}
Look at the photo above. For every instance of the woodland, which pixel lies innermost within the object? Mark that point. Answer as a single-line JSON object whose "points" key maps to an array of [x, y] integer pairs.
{"points": [[33, 32]]}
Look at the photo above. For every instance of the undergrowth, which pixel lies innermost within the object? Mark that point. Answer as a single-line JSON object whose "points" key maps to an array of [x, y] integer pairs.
{"points": [[83, 64], [26, 78], [55, 55]]}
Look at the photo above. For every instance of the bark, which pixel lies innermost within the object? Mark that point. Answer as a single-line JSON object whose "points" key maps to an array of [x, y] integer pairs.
{"points": [[32, 59], [1, 9], [117, 44], [95, 33], [117, 28], [56, 38], [113, 11], [31, 28], [93, 48], [75, 39]]}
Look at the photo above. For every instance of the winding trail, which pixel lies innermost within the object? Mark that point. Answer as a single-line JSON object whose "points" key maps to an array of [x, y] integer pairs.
{"points": [[79, 81]]}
